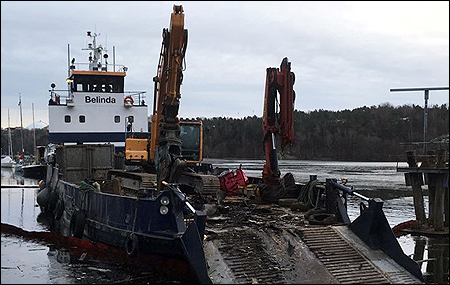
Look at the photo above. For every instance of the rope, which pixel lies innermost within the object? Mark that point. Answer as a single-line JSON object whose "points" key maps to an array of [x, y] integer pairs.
{"points": [[85, 188], [307, 194]]}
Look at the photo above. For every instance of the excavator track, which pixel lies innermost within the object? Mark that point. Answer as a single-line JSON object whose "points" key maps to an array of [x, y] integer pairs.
{"points": [[204, 184]]}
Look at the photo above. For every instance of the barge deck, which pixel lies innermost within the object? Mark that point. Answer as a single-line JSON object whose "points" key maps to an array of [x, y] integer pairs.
{"points": [[260, 243]]}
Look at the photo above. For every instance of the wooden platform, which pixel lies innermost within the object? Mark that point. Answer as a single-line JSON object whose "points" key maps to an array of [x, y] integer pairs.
{"points": [[427, 232]]}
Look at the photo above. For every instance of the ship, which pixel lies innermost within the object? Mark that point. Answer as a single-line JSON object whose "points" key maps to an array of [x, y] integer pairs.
{"points": [[88, 125], [96, 107]]}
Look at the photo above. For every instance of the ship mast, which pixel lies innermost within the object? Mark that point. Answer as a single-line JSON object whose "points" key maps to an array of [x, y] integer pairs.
{"points": [[95, 61]]}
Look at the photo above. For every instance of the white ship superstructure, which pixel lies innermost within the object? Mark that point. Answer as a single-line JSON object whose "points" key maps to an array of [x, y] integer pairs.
{"points": [[96, 108]]}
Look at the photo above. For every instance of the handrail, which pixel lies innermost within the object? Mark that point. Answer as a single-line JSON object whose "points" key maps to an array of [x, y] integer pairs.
{"points": [[348, 190], [112, 67], [138, 95]]}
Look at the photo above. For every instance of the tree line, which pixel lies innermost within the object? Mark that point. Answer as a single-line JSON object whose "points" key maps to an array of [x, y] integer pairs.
{"points": [[376, 133]]}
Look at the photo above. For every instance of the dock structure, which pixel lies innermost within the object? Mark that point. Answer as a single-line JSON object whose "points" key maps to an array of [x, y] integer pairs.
{"points": [[431, 169]]}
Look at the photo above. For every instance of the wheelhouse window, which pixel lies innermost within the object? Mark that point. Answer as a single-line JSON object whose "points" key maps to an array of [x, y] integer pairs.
{"points": [[97, 83], [117, 119], [67, 119], [82, 119]]}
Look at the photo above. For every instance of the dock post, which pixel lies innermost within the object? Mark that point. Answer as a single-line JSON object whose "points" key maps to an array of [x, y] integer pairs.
{"points": [[435, 185], [446, 202], [441, 161], [429, 180], [416, 182], [419, 250]]}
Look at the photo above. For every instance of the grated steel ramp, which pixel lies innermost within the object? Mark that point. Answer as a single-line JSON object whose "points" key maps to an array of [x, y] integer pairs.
{"points": [[341, 259], [244, 254]]}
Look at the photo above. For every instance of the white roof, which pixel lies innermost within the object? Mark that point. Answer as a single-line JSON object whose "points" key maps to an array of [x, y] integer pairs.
{"points": [[37, 125]]}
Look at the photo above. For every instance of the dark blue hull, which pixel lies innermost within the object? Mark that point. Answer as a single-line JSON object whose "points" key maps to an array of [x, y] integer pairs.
{"points": [[159, 223]]}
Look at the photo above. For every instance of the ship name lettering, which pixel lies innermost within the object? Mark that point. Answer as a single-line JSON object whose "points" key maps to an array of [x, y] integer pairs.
{"points": [[98, 99]]}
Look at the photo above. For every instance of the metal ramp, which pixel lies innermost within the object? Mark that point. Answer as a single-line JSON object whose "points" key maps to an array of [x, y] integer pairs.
{"points": [[346, 260]]}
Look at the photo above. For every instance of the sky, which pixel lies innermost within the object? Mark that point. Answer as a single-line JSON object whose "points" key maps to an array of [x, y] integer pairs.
{"points": [[345, 55]]}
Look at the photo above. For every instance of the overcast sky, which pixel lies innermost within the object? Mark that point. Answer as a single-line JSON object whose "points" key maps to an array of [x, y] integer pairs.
{"points": [[344, 54]]}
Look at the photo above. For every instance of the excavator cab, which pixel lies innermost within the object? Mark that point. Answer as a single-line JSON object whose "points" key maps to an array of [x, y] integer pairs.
{"points": [[191, 135]]}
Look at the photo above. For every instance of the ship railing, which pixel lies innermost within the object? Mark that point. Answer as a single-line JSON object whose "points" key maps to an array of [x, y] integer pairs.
{"points": [[138, 97], [64, 97], [84, 66]]}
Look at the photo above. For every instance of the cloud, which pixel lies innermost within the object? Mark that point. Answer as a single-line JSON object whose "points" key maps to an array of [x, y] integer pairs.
{"points": [[344, 54]]}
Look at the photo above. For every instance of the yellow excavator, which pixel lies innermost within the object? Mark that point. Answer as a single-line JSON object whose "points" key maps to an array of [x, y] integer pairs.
{"points": [[175, 146]]}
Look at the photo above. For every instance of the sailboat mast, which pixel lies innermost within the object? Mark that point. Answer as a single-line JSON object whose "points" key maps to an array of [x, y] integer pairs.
{"points": [[21, 124], [34, 128], [10, 149]]}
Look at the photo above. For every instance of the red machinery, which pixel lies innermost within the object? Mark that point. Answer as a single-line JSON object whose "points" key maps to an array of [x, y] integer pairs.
{"points": [[282, 123]]}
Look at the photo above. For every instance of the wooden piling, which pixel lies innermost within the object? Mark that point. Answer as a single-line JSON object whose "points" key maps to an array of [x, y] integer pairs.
{"points": [[430, 181], [446, 202], [433, 172], [435, 185], [416, 182]]}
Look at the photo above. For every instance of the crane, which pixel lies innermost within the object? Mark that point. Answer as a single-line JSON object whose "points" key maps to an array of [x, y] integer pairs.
{"points": [[277, 124]]}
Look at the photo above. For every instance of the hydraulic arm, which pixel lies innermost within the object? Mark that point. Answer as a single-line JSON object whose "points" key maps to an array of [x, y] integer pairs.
{"points": [[165, 143], [277, 124]]}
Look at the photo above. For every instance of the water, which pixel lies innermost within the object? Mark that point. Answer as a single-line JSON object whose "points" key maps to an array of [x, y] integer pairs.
{"points": [[24, 261]]}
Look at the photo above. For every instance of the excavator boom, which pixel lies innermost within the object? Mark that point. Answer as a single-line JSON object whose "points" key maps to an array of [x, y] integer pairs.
{"points": [[165, 123], [165, 143]]}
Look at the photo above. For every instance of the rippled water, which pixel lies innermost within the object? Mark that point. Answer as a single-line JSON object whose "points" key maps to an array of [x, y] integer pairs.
{"points": [[24, 261]]}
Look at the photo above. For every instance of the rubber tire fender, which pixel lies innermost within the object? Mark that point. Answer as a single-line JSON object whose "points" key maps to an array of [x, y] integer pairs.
{"points": [[77, 223], [53, 199], [321, 219], [131, 245], [59, 210]]}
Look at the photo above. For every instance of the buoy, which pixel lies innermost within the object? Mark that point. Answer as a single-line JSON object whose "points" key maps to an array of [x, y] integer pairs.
{"points": [[128, 101]]}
